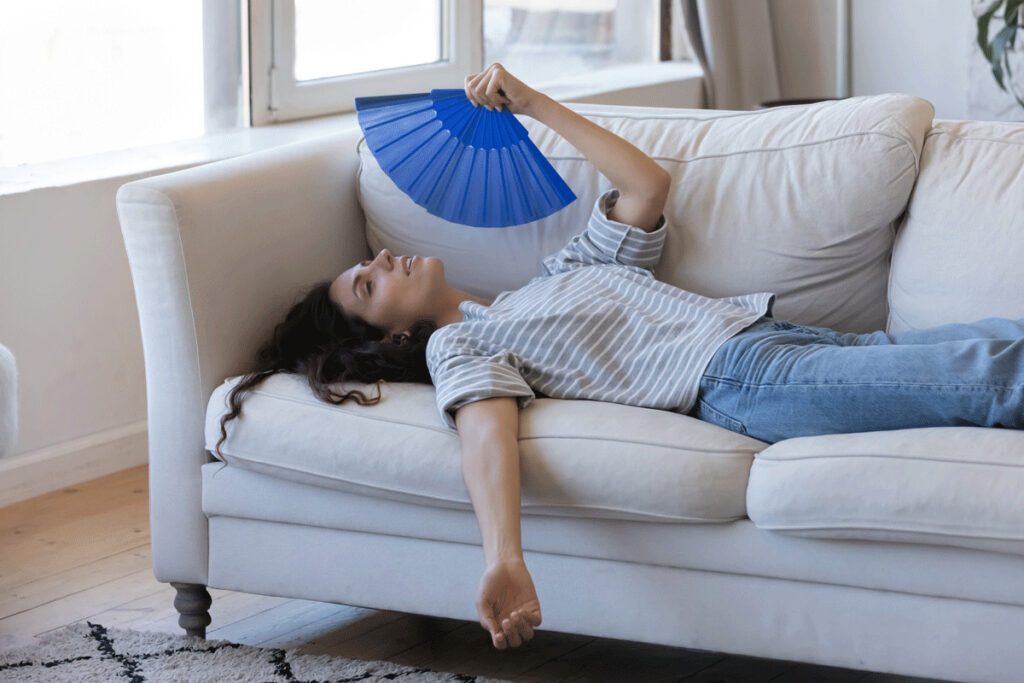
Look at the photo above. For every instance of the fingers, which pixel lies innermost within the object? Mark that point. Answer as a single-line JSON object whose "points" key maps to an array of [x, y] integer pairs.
{"points": [[469, 89], [493, 85], [525, 630], [512, 632], [518, 629], [473, 85], [499, 640], [497, 637], [482, 88]]}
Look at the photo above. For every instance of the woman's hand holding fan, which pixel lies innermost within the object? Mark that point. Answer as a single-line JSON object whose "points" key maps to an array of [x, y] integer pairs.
{"points": [[465, 163], [494, 87]]}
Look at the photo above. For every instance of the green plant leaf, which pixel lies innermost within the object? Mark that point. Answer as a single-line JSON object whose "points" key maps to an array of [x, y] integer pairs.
{"points": [[1012, 16], [999, 53], [1009, 73], [983, 22]]}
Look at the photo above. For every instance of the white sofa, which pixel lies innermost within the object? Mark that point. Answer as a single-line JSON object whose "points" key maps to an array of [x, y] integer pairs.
{"points": [[894, 552]]}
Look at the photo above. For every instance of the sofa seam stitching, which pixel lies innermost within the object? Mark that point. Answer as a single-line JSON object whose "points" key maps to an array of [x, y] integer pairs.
{"points": [[446, 431]]}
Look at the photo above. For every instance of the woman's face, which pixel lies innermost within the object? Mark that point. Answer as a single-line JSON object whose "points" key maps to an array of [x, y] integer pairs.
{"points": [[391, 292]]}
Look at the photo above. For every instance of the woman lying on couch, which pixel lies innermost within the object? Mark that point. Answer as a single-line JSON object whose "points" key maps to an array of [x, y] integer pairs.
{"points": [[597, 325]]}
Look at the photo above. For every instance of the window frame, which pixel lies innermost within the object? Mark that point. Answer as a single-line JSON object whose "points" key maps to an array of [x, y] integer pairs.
{"points": [[276, 95], [225, 78]]}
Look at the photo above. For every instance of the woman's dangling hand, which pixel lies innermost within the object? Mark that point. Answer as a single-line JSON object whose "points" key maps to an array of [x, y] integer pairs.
{"points": [[494, 87], [507, 603]]}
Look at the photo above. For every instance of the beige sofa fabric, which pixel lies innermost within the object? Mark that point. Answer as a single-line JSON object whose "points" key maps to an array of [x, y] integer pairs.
{"points": [[959, 254], [959, 486], [578, 458]]}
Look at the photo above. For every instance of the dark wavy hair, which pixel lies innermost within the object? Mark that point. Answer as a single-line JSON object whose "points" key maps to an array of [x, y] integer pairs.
{"points": [[320, 340]]}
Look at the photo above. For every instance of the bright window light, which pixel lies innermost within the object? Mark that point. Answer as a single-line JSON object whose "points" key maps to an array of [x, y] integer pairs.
{"points": [[79, 78], [358, 36], [547, 40]]}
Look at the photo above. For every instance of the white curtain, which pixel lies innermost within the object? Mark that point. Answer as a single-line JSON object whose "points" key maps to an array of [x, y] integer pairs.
{"points": [[734, 41]]}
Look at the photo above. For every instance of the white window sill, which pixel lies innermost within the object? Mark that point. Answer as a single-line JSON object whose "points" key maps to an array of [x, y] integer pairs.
{"points": [[154, 159], [616, 79], [169, 156]]}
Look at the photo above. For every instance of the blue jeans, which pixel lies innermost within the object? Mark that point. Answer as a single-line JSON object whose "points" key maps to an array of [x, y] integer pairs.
{"points": [[776, 380]]}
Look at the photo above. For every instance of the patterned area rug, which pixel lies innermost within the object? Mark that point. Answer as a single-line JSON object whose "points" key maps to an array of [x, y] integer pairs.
{"points": [[87, 652]]}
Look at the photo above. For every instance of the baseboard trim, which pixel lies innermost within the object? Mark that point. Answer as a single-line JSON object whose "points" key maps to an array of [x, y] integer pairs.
{"points": [[32, 474]]}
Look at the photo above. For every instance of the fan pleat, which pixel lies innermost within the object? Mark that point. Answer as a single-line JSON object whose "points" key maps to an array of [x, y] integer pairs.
{"points": [[518, 201], [411, 176], [406, 145], [377, 113], [450, 154], [464, 163], [493, 199], [533, 184]]}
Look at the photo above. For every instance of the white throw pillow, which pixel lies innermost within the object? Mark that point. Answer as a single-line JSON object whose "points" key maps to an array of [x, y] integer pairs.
{"points": [[799, 200], [959, 254]]}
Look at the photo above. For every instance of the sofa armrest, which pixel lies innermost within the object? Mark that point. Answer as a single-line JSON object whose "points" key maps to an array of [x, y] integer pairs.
{"points": [[218, 253]]}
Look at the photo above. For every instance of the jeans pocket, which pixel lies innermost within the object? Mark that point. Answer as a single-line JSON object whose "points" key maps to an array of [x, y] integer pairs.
{"points": [[707, 413]]}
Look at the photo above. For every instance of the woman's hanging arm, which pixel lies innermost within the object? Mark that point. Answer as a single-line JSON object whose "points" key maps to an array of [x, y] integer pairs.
{"points": [[506, 602], [489, 434]]}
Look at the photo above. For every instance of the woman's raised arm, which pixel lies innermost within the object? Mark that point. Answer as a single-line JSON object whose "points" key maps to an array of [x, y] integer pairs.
{"points": [[643, 185]]}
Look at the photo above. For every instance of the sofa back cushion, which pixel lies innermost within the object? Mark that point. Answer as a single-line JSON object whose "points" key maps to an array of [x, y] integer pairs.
{"points": [[799, 200], [959, 253]]}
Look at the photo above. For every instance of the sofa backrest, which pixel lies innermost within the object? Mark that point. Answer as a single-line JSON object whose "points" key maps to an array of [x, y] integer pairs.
{"points": [[800, 200], [959, 252]]}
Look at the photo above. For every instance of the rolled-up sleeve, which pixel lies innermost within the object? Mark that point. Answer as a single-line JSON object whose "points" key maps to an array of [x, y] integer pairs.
{"points": [[462, 374], [605, 241]]}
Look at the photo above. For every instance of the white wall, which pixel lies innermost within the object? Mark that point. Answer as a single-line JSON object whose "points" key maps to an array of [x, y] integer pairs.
{"points": [[68, 311], [805, 47], [920, 47]]}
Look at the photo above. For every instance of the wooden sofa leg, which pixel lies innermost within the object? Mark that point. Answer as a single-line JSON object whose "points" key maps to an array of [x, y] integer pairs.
{"points": [[193, 604]]}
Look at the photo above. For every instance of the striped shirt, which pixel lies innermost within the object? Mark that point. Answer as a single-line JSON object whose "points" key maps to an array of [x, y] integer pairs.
{"points": [[596, 325]]}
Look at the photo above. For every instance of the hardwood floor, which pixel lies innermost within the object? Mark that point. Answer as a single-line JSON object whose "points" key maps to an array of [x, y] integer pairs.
{"points": [[82, 553]]}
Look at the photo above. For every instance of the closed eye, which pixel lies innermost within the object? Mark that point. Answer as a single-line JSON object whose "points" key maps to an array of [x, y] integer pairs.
{"points": [[368, 281]]}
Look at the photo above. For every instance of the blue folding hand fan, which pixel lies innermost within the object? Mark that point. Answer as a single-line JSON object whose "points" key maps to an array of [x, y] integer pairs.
{"points": [[466, 164]]}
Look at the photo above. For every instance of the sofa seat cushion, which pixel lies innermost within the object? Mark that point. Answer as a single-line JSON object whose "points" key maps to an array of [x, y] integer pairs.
{"points": [[958, 254], [577, 458], [959, 486]]}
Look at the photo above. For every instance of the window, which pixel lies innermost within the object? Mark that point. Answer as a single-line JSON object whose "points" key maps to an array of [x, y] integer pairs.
{"points": [[80, 78], [343, 39], [551, 40], [319, 55], [314, 57]]}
